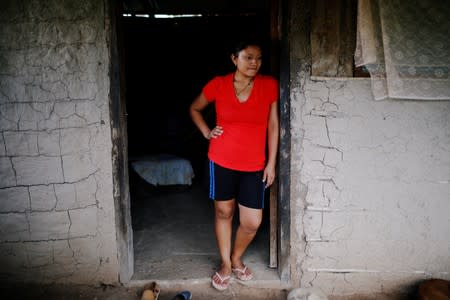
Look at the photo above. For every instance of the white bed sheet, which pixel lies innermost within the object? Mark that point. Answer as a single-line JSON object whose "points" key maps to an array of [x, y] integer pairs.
{"points": [[164, 169]]}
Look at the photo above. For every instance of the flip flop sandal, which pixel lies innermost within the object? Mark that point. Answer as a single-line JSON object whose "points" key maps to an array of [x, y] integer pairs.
{"points": [[151, 291], [223, 284], [244, 274], [184, 295]]}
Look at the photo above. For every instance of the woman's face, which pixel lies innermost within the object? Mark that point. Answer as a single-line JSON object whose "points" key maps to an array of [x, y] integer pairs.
{"points": [[248, 61]]}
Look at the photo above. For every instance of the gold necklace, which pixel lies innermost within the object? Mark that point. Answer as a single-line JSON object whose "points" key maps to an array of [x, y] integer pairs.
{"points": [[238, 92]]}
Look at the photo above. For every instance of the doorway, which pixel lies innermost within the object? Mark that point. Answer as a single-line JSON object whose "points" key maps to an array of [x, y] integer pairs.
{"points": [[167, 61]]}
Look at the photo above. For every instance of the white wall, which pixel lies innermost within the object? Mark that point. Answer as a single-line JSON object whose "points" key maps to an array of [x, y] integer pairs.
{"points": [[56, 202], [370, 188]]}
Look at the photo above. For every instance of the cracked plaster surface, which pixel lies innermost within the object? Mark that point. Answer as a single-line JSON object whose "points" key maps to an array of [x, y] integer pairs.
{"points": [[56, 209], [376, 181]]}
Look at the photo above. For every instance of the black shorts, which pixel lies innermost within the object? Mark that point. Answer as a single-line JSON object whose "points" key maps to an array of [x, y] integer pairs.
{"points": [[246, 187]]}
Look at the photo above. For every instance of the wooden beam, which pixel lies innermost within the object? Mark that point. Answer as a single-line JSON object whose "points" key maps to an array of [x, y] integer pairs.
{"points": [[333, 37]]}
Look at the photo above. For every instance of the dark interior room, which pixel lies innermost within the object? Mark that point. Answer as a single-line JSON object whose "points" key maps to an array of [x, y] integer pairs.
{"points": [[169, 52]]}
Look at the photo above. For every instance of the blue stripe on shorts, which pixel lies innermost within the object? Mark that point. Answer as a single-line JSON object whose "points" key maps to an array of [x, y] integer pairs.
{"points": [[263, 193], [211, 180]]}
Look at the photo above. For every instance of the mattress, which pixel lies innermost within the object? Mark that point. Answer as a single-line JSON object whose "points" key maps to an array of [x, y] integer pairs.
{"points": [[164, 169]]}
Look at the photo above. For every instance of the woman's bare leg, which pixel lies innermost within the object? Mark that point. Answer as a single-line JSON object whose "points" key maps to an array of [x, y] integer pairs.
{"points": [[249, 222], [224, 211]]}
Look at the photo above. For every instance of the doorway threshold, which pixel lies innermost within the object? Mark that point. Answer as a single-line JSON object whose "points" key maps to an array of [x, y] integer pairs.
{"points": [[187, 267]]}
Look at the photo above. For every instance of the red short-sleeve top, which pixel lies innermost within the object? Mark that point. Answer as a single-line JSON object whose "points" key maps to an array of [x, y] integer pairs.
{"points": [[242, 145]]}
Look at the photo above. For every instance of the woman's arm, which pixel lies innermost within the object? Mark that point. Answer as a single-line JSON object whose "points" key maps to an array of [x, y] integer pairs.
{"points": [[273, 136], [199, 104]]}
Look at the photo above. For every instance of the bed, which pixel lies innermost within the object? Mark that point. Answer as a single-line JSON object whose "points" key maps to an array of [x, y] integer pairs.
{"points": [[163, 169]]}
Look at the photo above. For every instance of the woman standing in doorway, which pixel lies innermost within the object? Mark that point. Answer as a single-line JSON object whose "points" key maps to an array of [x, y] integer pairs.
{"points": [[247, 115]]}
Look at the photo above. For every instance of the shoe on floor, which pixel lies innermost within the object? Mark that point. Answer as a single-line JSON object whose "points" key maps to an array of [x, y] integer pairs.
{"points": [[184, 295], [151, 291]]}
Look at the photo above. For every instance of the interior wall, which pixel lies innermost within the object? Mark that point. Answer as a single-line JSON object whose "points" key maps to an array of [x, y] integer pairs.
{"points": [[57, 221], [369, 183]]}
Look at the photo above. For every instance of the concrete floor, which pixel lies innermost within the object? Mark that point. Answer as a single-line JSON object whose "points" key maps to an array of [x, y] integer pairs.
{"points": [[174, 238]]}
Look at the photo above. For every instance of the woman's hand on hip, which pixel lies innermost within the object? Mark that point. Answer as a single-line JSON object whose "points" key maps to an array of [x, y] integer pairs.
{"points": [[215, 132]]}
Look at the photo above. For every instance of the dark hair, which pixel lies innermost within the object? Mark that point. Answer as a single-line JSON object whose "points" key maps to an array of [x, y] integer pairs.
{"points": [[242, 45]]}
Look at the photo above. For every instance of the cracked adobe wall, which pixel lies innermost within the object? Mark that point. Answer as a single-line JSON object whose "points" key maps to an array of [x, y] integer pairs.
{"points": [[56, 202], [370, 181], [378, 183]]}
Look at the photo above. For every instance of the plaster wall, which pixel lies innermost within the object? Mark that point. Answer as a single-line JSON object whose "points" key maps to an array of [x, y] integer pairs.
{"points": [[370, 188], [57, 219]]}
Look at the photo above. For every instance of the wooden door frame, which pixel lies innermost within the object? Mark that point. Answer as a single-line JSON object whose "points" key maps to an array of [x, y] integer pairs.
{"points": [[118, 116], [284, 157], [281, 190], [279, 248]]}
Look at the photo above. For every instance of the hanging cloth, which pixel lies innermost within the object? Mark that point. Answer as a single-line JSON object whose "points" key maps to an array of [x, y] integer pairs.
{"points": [[405, 46]]}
